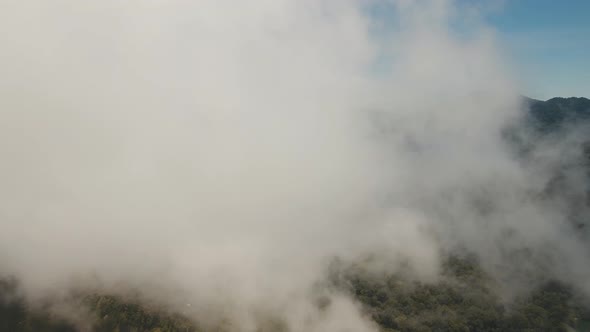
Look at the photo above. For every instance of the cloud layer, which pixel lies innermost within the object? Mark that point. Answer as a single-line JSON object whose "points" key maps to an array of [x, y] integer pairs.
{"points": [[227, 150]]}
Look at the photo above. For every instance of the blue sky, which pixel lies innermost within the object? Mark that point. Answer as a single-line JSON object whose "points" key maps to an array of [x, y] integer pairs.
{"points": [[549, 43]]}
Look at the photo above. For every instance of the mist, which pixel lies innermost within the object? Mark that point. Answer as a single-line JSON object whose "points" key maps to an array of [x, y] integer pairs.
{"points": [[221, 153]]}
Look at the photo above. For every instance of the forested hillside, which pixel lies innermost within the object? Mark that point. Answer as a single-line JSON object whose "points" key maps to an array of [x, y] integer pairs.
{"points": [[555, 112], [465, 298]]}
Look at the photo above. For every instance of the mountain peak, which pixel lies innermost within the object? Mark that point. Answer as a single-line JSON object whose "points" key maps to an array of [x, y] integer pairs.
{"points": [[554, 112]]}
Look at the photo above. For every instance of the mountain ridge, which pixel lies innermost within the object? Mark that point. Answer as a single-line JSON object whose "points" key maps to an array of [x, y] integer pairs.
{"points": [[556, 111]]}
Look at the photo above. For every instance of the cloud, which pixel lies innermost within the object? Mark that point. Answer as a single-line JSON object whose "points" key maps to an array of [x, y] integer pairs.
{"points": [[227, 150]]}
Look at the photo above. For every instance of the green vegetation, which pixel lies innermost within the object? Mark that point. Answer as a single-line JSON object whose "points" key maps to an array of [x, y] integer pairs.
{"points": [[117, 315], [463, 300], [16, 317], [551, 114], [111, 314]]}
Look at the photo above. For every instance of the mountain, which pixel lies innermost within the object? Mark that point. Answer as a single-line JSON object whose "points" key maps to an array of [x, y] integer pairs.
{"points": [[555, 112], [463, 300], [555, 137]]}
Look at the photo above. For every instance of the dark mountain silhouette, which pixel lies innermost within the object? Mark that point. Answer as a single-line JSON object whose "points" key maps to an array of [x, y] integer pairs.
{"points": [[555, 112]]}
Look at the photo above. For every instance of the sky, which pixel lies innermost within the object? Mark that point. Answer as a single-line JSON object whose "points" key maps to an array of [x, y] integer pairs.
{"points": [[548, 42]]}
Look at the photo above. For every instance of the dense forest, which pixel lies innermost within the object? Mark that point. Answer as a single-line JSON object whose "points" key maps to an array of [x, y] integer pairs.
{"points": [[463, 299], [550, 115]]}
